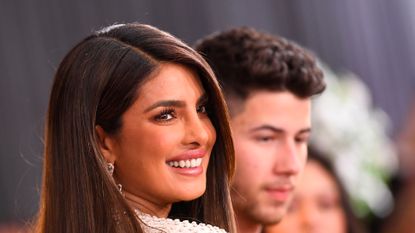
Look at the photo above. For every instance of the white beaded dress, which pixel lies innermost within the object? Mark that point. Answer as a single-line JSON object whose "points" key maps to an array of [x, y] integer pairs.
{"points": [[153, 224]]}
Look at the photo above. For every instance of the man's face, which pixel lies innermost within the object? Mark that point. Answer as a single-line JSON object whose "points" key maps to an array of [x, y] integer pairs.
{"points": [[270, 136]]}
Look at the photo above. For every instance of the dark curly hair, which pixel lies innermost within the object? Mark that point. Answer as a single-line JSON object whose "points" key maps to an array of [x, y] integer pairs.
{"points": [[245, 60]]}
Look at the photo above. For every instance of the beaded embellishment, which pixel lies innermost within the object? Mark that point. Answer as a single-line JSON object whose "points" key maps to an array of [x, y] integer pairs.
{"points": [[153, 224]]}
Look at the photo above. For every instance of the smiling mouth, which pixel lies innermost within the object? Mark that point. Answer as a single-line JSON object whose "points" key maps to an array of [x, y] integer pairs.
{"points": [[188, 163]]}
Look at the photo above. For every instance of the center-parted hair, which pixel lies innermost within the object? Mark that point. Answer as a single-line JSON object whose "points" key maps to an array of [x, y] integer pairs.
{"points": [[246, 60], [97, 81]]}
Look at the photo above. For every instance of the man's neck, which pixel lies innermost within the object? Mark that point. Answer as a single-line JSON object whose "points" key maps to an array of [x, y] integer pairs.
{"points": [[246, 225]]}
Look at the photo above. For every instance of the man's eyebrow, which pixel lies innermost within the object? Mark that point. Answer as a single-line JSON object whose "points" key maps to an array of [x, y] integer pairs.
{"points": [[303, 131], [267, 127], [278, 130], [166, 103]]}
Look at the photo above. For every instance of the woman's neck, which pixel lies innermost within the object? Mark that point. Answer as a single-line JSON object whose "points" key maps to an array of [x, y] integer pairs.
{"points": [[146, 206]]}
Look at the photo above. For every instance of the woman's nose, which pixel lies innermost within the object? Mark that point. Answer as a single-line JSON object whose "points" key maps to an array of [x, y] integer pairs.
{"points": [[199, 130]]}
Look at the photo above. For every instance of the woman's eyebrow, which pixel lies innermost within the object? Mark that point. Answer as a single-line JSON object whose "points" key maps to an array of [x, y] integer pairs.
{"points": [[175, 103], [166, 103], [203, 99]]}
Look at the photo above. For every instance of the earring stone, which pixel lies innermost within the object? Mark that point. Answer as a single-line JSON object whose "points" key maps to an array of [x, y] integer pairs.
{"points": [[110, 168]]}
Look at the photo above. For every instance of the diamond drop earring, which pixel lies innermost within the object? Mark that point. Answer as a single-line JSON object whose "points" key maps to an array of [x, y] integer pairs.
{"points": [[110, 168]]}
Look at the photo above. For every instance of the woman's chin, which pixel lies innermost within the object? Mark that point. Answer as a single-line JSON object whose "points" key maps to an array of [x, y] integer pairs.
{"points": [[189, 195]]}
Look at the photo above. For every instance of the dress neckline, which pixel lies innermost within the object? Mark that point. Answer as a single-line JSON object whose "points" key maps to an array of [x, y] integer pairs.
{"points": [[153, 224]]}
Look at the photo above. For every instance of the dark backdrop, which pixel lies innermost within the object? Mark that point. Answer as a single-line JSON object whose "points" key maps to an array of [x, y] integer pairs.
{"points": [[374, 39]]}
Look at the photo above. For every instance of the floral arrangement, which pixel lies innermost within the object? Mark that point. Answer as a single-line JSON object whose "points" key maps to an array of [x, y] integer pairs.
{"points": [[354, 134]]}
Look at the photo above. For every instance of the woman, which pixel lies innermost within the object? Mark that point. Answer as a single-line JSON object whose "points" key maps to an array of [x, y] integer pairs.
{"points": [[320, 203], [135, 118]]}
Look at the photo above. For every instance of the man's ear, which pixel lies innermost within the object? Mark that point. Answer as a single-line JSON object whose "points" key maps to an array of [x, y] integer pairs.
{"points": [[106, 144]]}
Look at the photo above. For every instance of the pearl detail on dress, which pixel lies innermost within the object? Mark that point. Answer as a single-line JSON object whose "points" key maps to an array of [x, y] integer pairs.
{"points": [[153, 224]]}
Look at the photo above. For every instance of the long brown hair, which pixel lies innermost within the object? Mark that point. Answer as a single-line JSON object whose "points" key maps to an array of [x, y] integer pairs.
{"points": [[353, 224], [95, 84]]}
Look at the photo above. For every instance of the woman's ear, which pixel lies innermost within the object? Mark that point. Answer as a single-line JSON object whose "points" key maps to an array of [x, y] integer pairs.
{"points": [[106, 144]]}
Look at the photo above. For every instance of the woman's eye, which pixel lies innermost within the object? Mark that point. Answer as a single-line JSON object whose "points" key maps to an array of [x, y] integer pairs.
{"points": [[327, 204], [165, 115], [202, 109]]}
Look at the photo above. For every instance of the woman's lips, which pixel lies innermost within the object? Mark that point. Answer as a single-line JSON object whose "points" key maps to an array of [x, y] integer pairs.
{"points": [[188, 163], [187, 155]]}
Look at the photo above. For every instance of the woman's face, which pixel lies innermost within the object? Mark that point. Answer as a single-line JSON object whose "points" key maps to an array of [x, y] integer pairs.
{"points": [[162, 150], [316, 206]]}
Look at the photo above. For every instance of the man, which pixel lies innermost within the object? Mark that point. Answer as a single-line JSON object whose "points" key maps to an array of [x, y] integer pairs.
{"points": [[268, 82]]}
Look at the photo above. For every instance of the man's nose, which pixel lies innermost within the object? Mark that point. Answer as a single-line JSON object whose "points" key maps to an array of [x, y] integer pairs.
{"points": [[289, 158]]}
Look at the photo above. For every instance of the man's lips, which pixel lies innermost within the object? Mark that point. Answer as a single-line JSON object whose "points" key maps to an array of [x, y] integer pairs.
{"points": [[280, 193]]}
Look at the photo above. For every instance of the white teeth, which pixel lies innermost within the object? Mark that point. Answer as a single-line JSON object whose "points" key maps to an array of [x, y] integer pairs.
{"points": [[186, 163]]}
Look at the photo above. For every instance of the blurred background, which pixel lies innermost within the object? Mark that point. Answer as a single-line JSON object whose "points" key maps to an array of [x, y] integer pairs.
{"points": [[372, 40]]}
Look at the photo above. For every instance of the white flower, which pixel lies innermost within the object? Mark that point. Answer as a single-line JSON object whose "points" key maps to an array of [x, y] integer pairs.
{"points": [[354, 133]]}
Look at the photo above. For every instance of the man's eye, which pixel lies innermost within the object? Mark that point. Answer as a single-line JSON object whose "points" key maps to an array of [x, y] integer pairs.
{"points": [[301, 140], [264, 139]]}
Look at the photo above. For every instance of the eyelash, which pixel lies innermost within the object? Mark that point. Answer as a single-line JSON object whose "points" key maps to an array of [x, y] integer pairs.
{"points": [[264, 139], [168, 111], [162, 116], [202, 106], [267, 139], [302, 140]]}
